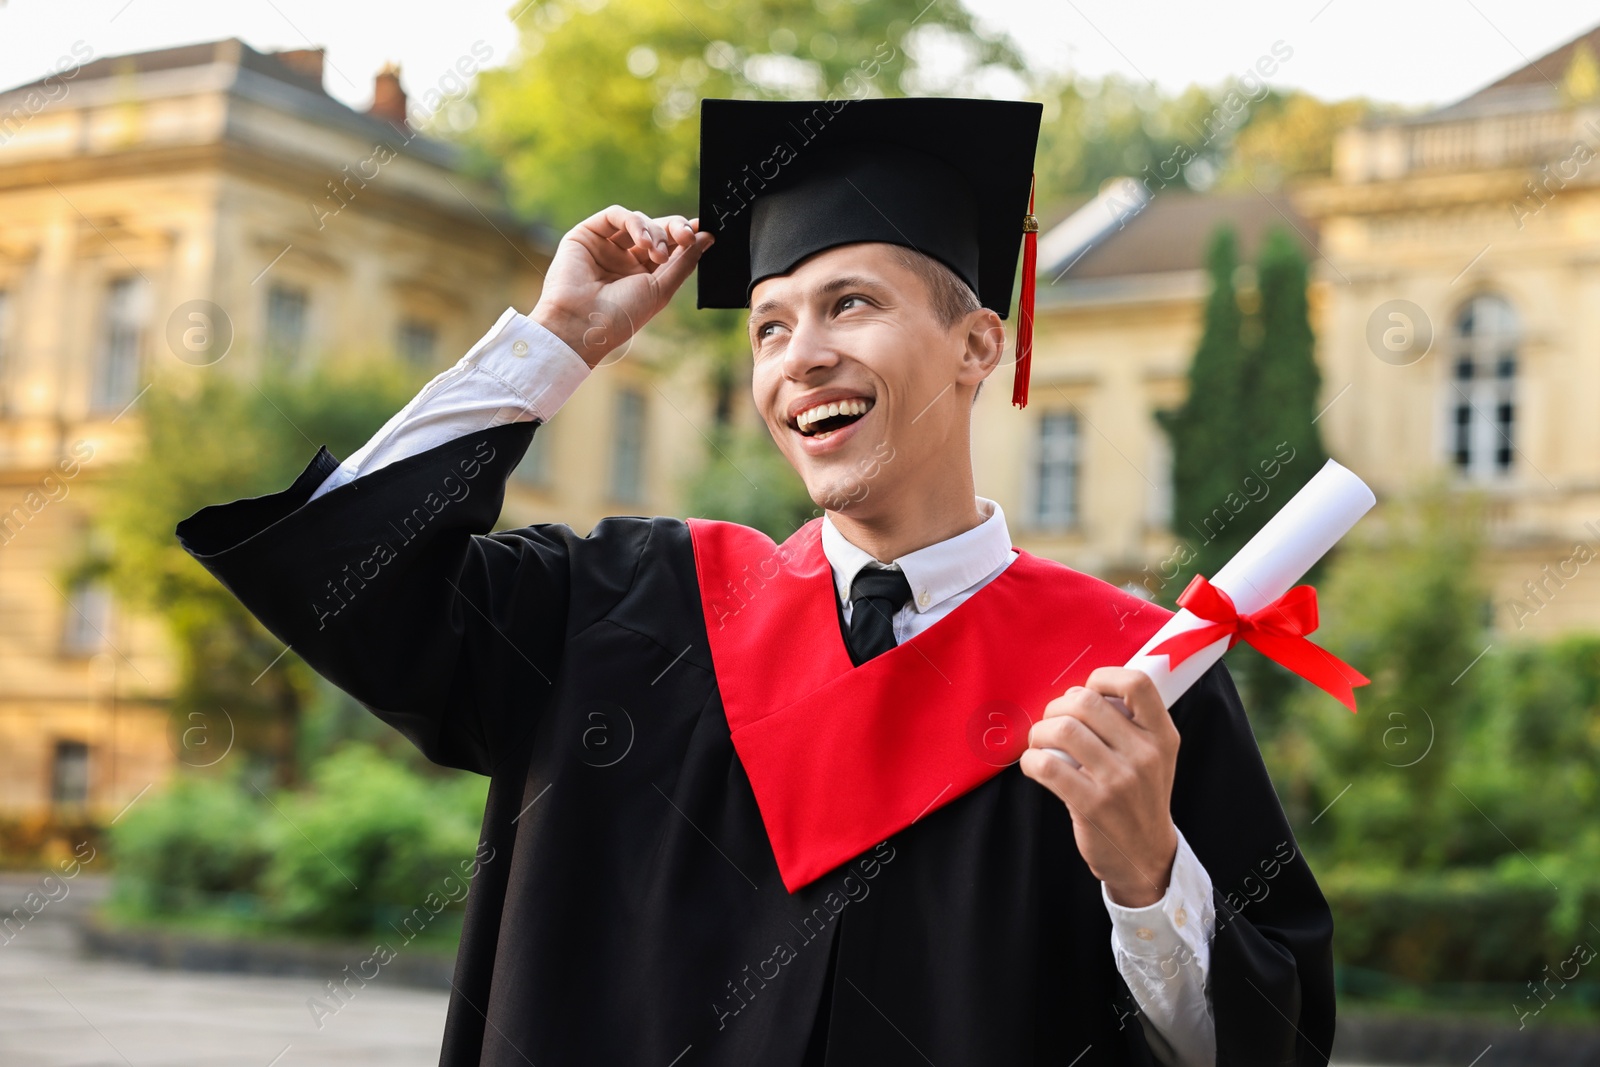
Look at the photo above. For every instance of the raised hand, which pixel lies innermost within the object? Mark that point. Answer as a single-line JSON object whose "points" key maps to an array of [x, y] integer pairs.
{"points": [[612, 273]]}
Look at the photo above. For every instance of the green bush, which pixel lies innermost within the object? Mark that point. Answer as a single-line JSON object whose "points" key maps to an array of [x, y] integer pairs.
{"points": [[359, 850], [368, 842], [1473, 925], [198, 845], [1454, 824]]}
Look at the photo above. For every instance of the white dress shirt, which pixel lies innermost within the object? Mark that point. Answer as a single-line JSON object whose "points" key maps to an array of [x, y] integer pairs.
{"points": [[520, 371]]}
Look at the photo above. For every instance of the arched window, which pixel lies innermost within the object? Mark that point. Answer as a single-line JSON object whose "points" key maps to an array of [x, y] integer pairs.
{"points": [[1482, 390]]}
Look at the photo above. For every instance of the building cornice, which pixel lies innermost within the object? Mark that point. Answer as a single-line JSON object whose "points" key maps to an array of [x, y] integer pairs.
{"points": [[237, 160]]}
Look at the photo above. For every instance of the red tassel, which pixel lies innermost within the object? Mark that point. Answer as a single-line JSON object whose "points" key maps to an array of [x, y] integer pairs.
{"points": [[1030, 256]]}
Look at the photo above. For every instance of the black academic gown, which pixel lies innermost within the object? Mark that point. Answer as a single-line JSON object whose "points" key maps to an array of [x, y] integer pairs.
{"points": [[627, 908]]}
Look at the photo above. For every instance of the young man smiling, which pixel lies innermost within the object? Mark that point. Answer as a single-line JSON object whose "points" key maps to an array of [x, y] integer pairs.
{"points": [[861, 715]]}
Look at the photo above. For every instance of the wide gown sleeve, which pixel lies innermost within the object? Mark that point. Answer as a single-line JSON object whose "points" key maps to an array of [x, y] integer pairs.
{"points": [[1271, 974], [393, 588]]}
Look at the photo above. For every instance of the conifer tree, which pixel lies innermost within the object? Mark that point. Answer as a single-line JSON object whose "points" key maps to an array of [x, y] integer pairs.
{"points": [[1204, 430], [1284, 379], [1282, 383], [1245, 439]]}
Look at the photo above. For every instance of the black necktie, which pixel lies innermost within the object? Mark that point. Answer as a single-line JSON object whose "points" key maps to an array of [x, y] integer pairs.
{"points": [[875, 595]]}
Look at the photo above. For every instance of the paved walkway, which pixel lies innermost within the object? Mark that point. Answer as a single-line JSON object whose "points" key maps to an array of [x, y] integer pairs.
{"points": [[59, 1010]]}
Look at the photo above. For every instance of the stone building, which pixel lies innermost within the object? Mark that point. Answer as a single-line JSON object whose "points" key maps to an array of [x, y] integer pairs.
{"points": [[1455, 298], [158, 210]]}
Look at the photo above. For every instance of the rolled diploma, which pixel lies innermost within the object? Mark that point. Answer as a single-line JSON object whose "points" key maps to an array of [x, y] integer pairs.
{"points": [[1301, 533]]}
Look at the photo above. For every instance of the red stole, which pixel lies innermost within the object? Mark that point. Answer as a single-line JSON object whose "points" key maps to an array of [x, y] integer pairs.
{"points": [[841, 757]]}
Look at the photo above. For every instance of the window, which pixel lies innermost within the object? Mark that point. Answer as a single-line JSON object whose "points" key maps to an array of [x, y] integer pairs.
{"points": [[417, 343], [627, 456], [286, 324], [88, 619], [116, 369], [1055, 490], [1158, 470], [69, 774], [1482, 391]]}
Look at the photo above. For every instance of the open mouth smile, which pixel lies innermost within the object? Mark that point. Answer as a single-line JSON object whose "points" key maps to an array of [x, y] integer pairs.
{"points": [[820, 420]]}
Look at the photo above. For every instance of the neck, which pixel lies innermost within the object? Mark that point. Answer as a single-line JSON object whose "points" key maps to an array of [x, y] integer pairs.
{"points": [[917, 518]]}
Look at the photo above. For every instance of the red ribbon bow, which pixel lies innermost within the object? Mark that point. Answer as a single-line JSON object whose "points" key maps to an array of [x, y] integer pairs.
{"points": [[1277, 631]]}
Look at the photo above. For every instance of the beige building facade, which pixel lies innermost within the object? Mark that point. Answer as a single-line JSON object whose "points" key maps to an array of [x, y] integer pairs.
{"points": [[155, 206], [1455, 298], [1456, 303]]}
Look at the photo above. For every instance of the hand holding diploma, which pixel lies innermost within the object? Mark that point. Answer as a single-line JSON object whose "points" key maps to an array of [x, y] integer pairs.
{"points": [[1114, 772], [1119, 784]]}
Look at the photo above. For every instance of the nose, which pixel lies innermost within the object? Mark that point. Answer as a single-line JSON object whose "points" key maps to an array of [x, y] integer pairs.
{"points": [[809, 350]]}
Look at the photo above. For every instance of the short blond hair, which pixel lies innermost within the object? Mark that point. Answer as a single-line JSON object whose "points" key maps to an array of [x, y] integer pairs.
{"points": [[951, 298]]}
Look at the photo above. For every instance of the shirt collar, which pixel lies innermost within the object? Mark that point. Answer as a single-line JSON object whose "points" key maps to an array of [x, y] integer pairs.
{"points": [[939, 571]]}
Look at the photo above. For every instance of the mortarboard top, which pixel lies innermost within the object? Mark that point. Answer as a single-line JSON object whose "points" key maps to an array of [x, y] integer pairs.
{"points": [[782, 180]]}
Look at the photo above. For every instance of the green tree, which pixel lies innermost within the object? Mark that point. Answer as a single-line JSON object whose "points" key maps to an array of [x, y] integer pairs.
{"points": [[1210, 454], [1290, 136], [209, 440], [1225, 137], [1281, 376], [1281, 383], [1246, 434], [1097, 129], [603, 105]]}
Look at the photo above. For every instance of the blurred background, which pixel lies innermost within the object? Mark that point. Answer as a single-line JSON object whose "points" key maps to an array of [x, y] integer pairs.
{"points": [[1271, 233]]}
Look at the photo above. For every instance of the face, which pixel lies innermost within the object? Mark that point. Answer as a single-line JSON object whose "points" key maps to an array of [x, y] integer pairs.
{"points": [[866, 393]]}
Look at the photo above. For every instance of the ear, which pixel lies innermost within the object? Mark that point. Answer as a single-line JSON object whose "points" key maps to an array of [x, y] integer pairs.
{"points": [[984, 345]]}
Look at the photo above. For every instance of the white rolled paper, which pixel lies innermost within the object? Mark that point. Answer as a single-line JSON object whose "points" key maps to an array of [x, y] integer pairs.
{"points": [[1301, 533]]}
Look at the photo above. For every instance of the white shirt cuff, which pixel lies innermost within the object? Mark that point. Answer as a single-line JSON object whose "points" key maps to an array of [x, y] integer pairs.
{"points": [[537, 371], [518, 371], [1181, 920]]}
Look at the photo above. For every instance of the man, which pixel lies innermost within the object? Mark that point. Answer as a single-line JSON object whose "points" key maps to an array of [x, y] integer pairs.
{"points": [[757, 803]]}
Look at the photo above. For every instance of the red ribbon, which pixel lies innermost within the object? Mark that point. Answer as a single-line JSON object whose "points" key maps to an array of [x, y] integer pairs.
{"points": [[1277, 631]]}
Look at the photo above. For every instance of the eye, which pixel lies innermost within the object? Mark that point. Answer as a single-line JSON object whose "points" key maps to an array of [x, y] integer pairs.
{"points": [[844, 302], [765, 330]]}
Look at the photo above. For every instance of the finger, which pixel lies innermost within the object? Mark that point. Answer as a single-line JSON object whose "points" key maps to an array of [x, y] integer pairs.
{"points": [[1073, 736], [681, 265], [678, 230], [1137, 692], [1103, 715], [1099, 713], [1070, 785], [655, 238], [614, 223], [631, 232]]}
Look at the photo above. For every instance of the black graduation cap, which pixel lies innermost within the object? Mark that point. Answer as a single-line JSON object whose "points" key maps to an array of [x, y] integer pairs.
{"points": [[952, 178]]}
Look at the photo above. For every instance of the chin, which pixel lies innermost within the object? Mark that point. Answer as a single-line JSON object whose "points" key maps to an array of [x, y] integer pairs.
{"points": [[840, 490]]}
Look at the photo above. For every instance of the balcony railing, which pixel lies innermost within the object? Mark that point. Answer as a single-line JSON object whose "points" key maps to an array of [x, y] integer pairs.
{"points": [[1479, 143]]}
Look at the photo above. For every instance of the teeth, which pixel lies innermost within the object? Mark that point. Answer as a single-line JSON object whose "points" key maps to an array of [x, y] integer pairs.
{"points": [[828, 411]]}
